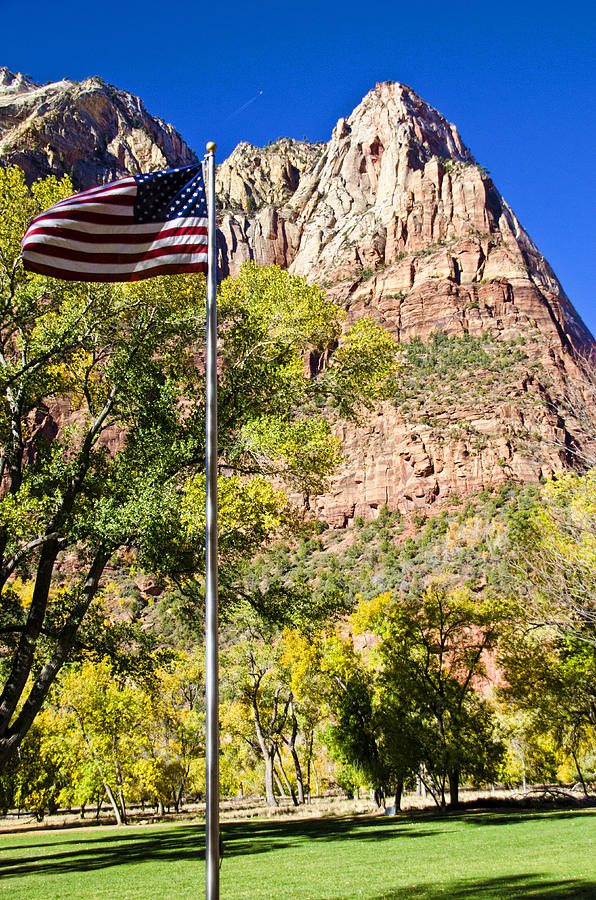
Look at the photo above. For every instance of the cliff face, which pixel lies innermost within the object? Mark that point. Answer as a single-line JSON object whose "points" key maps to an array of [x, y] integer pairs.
{"points": [[88, 130], [395, 220]]}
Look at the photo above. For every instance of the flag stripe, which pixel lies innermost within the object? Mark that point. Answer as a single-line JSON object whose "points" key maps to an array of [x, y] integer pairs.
{"points": [[114, 186], [124, 187], [72, 237], [80, 266], [91, 218], [148, 229], [169, 249], [76, 275], [123, 201]]}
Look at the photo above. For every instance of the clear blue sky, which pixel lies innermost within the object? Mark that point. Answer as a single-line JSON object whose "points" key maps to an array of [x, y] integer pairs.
{"points": [[517, 78]]}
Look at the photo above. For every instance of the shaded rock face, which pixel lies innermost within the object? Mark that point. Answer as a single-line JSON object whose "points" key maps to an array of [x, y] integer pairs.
{"points": [[395, 220], [88, 130]]}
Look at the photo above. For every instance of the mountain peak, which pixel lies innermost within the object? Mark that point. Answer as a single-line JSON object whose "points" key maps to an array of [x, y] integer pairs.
{"points": [[15, 82], [395, 220], [405, 116], [89, 130]]}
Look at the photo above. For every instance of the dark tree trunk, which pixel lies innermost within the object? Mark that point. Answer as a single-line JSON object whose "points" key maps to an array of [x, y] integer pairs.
{"points": [[270, 798], [579, 772], [291, 744], [286, 780], [454, 788], [398, 792], [118, 813], [12, 735], [278, 784]]}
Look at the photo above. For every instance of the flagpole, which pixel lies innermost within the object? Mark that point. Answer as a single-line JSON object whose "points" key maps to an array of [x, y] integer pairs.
{"points": [[211, 612]]}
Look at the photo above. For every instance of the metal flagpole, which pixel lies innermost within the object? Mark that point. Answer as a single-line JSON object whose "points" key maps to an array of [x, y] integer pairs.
{"points": [[211, 613]]}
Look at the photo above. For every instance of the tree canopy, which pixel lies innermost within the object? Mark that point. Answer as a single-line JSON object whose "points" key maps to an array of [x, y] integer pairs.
{"points": [[102, 432], [555, 545]]}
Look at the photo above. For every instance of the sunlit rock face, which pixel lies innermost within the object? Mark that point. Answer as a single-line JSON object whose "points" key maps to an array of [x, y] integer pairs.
{"points": [[88, 130], [395, 220]]}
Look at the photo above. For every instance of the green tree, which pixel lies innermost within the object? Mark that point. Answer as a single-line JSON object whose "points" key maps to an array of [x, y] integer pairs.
{"points": [[555, 545], [253, 679], [303, 664], [102, 432], [38, 775], [374, 736], [176, 729], [551, 688], [431, 655]]}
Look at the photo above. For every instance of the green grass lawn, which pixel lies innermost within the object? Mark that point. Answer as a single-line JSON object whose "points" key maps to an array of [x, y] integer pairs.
{"points": [[485, 855]]}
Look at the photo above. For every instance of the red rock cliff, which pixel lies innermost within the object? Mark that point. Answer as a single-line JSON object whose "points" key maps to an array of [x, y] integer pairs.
{"points": [[394, 218]]}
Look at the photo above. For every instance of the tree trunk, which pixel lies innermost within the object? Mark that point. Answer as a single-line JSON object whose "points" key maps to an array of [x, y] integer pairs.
{"points": [[122, 806], [398, 792], [454, 788], [579, 772], [291, 744], [299, 781], [120, 818], [314, 771], [308, 764], [286, 780], [279, 785], [25, 652], [420, 786], [12, 735], [270, 798]]}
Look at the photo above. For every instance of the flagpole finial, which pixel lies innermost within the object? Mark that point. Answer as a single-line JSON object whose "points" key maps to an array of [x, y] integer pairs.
{"points": [[211, 147]]}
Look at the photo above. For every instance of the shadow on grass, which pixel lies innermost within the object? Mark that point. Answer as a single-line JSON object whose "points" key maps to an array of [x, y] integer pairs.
{"points": [[498, 816], [187, 843], [504, 888]]}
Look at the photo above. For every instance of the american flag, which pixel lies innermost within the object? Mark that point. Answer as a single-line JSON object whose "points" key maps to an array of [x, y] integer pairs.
{"points": [[130, 229]]}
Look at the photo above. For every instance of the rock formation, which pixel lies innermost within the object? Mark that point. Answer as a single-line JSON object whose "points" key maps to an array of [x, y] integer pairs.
{"points": [[395, 220], [88, 130]]}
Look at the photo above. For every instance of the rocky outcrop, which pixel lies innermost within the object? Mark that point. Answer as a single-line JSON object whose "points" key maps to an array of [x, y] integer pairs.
{"points": [[88, 130], [396, 220], [391, 207]]}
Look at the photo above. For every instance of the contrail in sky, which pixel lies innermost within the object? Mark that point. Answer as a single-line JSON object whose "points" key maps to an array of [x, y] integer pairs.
{"points": [[243, 107]]}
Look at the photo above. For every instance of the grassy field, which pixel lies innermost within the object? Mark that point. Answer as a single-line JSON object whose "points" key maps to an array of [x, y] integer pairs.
{"points": [[496, 855]]}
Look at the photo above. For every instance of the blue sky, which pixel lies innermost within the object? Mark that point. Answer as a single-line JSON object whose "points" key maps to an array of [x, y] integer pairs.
{"points": [[518, 79]]}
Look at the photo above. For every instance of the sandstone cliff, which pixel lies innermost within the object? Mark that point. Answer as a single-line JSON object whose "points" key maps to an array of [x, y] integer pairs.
{"points": [[88, 130], [394, 218]]}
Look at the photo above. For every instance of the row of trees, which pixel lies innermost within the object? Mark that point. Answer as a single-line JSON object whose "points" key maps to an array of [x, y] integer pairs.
{"points": [[396, 693], [113, 737], [443, 683]]}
